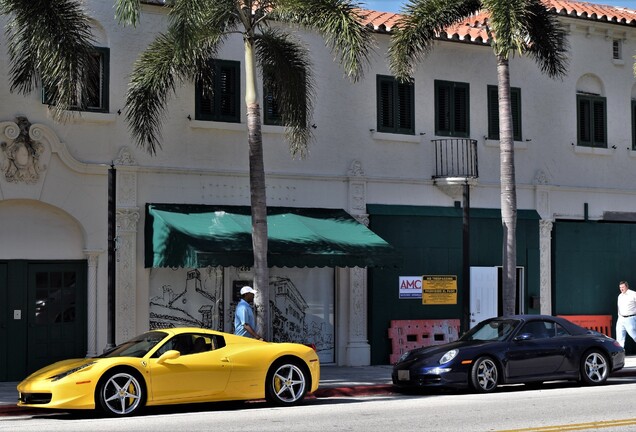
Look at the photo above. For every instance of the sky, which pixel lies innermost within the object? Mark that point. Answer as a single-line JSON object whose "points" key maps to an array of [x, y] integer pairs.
{"points": [[395, 5]]}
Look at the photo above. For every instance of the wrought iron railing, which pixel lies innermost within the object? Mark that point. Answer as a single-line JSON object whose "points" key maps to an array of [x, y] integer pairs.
{"points": [[455, 157]]}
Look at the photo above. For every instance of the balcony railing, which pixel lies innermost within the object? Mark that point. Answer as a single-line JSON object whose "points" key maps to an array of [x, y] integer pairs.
{"points": [[455, 157]]}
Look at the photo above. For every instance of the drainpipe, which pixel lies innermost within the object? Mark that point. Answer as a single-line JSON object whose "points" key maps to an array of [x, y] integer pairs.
{"points": [[112, 218]]}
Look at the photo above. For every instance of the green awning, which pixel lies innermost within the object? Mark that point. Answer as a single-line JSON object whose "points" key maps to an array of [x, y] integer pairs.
{"points": [[195, 236]]}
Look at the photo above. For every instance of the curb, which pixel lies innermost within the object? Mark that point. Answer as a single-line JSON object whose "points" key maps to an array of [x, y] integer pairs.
{"points": [[366, 390]]}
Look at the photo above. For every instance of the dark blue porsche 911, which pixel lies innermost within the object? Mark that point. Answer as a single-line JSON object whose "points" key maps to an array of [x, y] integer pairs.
{"points": [[527, 349]]}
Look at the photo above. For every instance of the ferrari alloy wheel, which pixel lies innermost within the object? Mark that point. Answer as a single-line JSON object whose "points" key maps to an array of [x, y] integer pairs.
{"points": [[121, 394], [286, 383], [484, 375], [594, 368]]}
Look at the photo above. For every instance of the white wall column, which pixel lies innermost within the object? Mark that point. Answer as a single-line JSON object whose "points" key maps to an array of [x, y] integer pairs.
{"points": [[91, 302], [545, 264], [358, 350], [127, 218], [542, 204]]}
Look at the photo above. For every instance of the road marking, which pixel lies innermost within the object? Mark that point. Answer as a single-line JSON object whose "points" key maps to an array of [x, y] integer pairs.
{"points": [[577, 426]]}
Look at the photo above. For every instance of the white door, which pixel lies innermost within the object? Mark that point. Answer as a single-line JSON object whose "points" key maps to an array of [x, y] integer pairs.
{"points": [[483, 294]]}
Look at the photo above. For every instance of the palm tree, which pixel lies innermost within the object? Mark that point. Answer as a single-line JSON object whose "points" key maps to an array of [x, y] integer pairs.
{"points": [[196, 29], [50, 46], [523, 27]]}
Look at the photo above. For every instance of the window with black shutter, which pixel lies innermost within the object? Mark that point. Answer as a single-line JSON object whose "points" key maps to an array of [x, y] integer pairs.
{"points": [[396, 105], [493, 112], [591, 121], [271, 113], [222, 102], [451, 109], [95, 98]]}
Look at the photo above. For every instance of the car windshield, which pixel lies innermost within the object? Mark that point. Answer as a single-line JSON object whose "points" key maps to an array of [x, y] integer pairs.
{"points": [[491, 330], [137, 347]]}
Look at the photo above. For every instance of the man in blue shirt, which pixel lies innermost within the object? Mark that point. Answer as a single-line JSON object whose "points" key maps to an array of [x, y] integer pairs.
{"points": [[244, 324]]}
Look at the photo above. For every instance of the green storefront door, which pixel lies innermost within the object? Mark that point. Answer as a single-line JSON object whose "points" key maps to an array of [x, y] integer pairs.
{"points": [[56, 313], [43, 318], [4, 346]]}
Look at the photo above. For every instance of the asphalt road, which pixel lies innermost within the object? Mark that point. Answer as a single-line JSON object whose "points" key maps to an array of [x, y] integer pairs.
{"points": [[556, 406]]}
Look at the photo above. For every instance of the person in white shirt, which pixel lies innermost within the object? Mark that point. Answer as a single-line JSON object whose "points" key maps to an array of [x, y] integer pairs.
{"points": [[626, 321]]}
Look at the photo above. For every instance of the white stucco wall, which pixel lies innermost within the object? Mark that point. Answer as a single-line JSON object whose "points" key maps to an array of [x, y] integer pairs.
{"points": [[65, 212]]}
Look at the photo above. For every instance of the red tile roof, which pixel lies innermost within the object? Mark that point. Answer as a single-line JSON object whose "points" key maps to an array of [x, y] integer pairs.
{"points": [[473, 29]]}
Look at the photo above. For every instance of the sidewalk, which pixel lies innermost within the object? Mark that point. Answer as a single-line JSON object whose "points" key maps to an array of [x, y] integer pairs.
{"points": [[335, 381]]}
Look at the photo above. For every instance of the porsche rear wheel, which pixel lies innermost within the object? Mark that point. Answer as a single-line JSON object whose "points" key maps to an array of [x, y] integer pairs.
{"points": [[594, 368], [121, 394], [286, 383], [484, 376]]}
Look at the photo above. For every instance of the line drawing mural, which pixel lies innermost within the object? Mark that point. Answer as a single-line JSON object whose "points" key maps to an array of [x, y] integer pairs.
{"points": [[199, 303], [301, 303]]}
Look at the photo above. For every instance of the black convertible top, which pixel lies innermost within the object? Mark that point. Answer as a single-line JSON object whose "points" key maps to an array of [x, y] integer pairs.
{"points": [[572, 328]]}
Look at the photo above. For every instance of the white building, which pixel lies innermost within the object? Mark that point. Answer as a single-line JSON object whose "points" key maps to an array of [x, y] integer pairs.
{"points": [[54, 191]]}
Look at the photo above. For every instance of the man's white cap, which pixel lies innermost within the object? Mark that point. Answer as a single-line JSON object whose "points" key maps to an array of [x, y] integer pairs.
{"points": [[247, 290]]}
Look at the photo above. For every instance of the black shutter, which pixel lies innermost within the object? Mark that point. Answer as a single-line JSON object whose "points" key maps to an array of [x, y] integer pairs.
{"points": [[515, 105], [386, 102], [493, 113], [460, 110], [442, 108], [405, 107], [599, 123], [585, 121]]}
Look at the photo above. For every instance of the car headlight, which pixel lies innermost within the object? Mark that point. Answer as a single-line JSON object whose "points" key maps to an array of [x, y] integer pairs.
{"points": [[71, 371], [448, 356]]}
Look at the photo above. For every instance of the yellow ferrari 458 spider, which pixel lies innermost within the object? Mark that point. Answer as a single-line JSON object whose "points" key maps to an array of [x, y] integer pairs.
{"points": [[176, 366]]}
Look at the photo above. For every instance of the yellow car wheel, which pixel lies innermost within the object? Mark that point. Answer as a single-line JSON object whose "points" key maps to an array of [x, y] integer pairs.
{"points": [[286, 383], [121, 394]]}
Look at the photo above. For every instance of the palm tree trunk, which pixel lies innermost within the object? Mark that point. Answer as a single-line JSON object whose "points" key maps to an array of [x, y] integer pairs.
{"points": [[258, 198], [508, 189]]}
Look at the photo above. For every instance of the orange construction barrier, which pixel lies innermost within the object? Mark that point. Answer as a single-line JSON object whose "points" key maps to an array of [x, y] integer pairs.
{"points": [[599, 323], [406, 335]]}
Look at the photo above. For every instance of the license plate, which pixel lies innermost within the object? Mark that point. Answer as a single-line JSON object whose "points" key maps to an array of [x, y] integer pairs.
{"points": [[403, 375]]}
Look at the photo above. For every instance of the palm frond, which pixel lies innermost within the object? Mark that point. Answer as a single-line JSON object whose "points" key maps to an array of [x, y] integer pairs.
{"points": [[287, 74], [508, 23], [186, 51], [61, 63], [127, 12], [200, 26], [415, 32], [152, 81], [548, 40], [340, 24]]}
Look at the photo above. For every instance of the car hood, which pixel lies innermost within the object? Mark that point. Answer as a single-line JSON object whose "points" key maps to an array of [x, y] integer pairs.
{"points": [[59, 367], [441, 349]]}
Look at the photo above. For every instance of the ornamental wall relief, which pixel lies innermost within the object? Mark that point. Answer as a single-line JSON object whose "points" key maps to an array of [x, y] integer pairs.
{"points": [[21, 153]]}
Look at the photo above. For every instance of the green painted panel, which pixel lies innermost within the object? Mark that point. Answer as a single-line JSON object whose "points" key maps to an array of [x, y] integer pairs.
{"points": [[433, 245], [590, 258], [589, 261]]}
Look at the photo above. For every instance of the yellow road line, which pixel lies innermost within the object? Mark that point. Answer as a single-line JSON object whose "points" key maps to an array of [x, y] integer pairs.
{"points": [[577, 426]]}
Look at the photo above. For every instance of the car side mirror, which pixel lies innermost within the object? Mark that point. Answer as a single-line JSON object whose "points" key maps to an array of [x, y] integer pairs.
{"points": [[168, 355], [523, 337]]}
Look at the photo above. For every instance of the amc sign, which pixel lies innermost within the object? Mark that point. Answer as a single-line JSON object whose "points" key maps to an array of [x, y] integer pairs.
{"points": [[410, 287]]}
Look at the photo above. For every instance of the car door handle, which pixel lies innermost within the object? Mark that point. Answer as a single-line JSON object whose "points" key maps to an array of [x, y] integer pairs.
{"points": [[225, 360]]}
